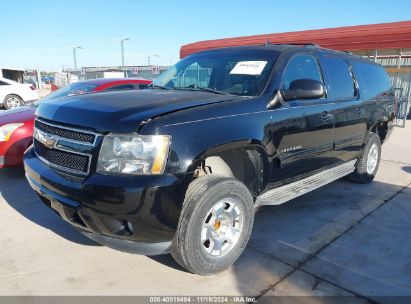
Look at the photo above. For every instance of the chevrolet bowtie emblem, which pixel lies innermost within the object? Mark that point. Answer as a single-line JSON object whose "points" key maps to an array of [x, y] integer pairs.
{"points": [[48, 140]]}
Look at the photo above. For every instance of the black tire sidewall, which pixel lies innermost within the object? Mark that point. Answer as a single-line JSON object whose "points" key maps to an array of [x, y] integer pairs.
{"points": [[200, 261], [361, 173]]}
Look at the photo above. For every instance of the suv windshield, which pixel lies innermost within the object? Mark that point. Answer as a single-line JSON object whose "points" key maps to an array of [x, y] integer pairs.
{"points": [[234, 72]]}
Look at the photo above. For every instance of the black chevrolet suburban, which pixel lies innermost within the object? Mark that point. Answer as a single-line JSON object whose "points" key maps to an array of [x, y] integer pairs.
{"points": [[181, 167]]}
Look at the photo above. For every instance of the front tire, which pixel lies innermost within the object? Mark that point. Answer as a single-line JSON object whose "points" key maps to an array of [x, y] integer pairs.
{"points": [[368, 162], [215, 224], [12, 101]]}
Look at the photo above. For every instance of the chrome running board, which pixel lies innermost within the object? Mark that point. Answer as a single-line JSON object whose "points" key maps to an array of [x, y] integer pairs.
{"points": [[290, 191]]}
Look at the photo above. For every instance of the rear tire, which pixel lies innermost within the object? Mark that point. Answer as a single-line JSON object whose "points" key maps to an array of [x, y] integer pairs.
{"points": [[215, 224], [12, 101], [368, 162]]}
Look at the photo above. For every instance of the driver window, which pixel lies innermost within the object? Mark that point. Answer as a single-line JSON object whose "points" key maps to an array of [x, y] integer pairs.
{"points": [[301, 67]]}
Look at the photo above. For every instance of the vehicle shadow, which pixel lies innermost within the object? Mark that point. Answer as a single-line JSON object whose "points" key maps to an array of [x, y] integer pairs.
{"points": [[18, 194], [168, 261], [285, 237]]}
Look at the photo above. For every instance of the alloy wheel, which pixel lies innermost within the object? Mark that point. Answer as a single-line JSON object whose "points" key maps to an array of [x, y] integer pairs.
{"points": [[222, 227], [372, 159]]}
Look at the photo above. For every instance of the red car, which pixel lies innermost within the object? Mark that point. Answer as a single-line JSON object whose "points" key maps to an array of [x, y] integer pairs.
{"points": [[16, 125]]}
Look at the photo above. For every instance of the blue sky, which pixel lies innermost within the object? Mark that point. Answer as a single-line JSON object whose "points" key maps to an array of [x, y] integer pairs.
{"points": [[41, 33]]}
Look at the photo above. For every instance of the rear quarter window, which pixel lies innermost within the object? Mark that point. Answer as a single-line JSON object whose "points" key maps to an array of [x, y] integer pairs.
{"points": [[373, 77]]}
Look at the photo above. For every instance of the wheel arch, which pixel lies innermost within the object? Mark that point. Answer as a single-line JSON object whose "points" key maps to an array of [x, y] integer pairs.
{"points": [[12, 94], [245, 160], [380, 128]]}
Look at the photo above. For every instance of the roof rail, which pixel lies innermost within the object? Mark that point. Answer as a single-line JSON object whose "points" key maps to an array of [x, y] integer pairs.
{"points": [[305, 44], [268, 42], [347, 52]]}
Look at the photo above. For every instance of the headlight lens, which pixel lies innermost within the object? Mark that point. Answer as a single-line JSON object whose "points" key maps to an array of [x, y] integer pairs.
{"points": [[7, 130], [133, 154]]}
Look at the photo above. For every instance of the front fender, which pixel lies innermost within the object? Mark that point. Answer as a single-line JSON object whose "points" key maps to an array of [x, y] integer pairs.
{"points": [[193, 140]]}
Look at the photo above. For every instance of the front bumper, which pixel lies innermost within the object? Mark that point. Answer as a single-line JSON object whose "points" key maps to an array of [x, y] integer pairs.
{"points": [[131, 213]]}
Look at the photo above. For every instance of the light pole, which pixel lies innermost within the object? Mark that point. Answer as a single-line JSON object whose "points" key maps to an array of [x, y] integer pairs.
{"points": [[75, 55], [122, 53], [122, 49]]}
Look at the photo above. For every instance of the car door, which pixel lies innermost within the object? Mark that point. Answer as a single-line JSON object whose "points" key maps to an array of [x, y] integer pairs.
{"points": [[302, 131], [350, 121]]}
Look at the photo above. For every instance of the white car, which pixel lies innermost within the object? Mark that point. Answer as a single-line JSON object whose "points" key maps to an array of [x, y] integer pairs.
{"points": [[14, 94]]}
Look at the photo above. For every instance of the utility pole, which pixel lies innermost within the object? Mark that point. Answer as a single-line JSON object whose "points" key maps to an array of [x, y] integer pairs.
{"points": [[75, 55], [122, 50], [122, 53]]}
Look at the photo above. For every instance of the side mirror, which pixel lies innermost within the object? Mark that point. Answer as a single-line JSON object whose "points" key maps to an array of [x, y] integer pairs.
{"points": [[304, 89]]}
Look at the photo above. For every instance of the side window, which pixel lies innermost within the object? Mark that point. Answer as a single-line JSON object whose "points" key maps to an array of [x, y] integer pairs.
{"points": [[374, 78], [143, 86], [342, 81], [301, 67], [121, 87]]}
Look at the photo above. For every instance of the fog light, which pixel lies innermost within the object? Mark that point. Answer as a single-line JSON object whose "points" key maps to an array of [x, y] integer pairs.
{"points": [[113, 225], [120, 227]]}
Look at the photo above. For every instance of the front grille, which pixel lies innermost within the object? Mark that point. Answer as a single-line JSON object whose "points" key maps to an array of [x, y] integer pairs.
{"points": [[61, 158], [64, 132]]}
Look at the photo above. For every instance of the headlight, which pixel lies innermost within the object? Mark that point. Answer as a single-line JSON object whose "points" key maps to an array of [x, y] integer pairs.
{"points": [[133, 154], [7, 130]]}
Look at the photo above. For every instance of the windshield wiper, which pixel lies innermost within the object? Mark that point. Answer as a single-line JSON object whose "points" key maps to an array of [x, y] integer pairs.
{"points": [[196, 88], [154, 86]]}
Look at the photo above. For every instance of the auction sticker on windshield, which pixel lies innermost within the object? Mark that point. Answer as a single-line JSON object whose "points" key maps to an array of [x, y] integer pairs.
{"points": [[249, 67]]}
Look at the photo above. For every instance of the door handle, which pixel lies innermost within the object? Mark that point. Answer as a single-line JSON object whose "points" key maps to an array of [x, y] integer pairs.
{"points": [[326, 116]]}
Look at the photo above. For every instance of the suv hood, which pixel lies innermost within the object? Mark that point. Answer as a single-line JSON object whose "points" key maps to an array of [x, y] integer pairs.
{"points": [[122, 111]]}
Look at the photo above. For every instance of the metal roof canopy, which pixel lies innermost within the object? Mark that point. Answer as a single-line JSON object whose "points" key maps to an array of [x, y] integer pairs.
{"points": [[394, 35]]}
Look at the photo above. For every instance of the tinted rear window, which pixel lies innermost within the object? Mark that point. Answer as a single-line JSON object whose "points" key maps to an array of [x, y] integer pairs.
{"points": [[373, 77], [342, 82], [121, 87]]}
